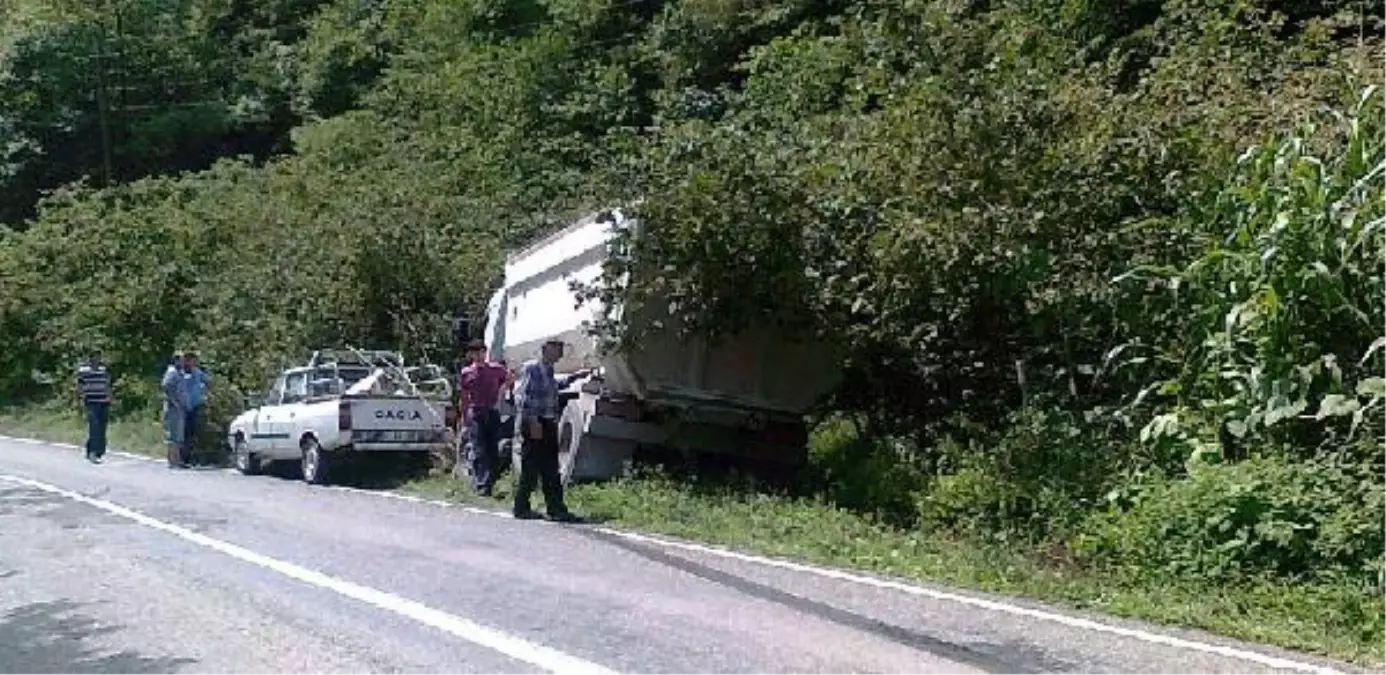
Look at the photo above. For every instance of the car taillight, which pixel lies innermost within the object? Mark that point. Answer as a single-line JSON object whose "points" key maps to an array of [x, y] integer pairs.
{"points": [[344, 416]]}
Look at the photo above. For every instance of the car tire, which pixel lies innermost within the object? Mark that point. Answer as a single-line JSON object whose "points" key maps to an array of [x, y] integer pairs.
{"points": [[315, 463], [246, 462]]}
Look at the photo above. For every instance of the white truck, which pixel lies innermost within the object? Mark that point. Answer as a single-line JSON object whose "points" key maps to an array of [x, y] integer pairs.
{"points": [[743, 399], [343, 403]]}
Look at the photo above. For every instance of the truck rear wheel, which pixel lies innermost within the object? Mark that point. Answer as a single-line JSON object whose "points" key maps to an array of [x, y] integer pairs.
{"points": [[315, 463], [569, 436], [583, 456]]}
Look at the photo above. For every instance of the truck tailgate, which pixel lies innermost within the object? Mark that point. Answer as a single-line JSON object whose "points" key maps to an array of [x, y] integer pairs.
{"points": [[395, 423]]}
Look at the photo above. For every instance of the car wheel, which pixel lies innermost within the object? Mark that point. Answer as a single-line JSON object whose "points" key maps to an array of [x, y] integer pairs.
{"points": [[246, 461], [315, 463]]}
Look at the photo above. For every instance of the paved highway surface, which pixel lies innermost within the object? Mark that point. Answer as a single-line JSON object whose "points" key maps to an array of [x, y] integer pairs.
{"points": [[130, 567]]}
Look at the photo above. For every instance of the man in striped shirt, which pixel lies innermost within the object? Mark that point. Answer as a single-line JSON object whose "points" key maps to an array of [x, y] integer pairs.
{"points": [[94, 390]]}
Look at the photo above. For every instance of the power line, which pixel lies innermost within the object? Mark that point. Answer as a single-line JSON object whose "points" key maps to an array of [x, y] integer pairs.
{"points": [[171, 87], [209, 103]]}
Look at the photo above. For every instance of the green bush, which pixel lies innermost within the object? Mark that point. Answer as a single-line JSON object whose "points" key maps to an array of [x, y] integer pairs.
{"points": [[1035, 479], [1235, 522], [861, 474]]}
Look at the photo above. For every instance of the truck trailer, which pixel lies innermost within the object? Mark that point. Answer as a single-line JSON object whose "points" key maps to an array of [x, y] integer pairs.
{"points": [[742, 399]]}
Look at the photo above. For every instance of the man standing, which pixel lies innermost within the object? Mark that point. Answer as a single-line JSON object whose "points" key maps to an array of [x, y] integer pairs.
{"points": [[537, 420], [197, 401], [479, 385], [94, 390], [175, 389]]}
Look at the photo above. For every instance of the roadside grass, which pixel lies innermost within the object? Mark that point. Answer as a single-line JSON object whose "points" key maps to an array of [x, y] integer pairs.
{"points": [[1339, 622], [141, 433]]}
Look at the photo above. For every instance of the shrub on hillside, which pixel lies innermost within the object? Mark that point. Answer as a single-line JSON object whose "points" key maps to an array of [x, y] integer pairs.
{"points": [[861, 474], [1235, 522], [1039, 476]]}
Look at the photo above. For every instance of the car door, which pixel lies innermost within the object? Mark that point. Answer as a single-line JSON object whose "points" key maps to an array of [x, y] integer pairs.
{"points": [[262, 426], [285, 423]]}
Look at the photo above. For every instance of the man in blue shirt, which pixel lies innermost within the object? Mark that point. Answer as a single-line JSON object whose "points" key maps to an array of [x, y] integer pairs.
{"points": [[537, 410], [175, 390], [197, 382], [94, 390]]}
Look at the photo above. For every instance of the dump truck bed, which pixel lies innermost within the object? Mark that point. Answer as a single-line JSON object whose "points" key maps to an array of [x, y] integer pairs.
{"points": [[758, 370]]}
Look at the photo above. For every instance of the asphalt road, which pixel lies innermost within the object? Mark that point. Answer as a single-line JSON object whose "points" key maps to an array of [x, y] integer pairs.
{"points": [[130, 567]]}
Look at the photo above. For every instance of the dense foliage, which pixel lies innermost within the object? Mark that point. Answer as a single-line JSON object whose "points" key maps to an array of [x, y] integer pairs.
{"points": [[1106, 275]]}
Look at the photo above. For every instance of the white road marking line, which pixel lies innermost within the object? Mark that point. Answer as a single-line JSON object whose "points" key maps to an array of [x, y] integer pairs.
{"points": [[71, 446], [841, 575], [399, 496], [131, 455], [517, 648], [1071, 621]]}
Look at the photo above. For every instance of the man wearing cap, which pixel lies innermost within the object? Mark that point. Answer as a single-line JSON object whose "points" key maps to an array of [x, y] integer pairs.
{"points": [[537, 420], [479, 386]]}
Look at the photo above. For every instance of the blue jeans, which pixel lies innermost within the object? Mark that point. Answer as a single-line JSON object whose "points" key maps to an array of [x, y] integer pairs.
{"points": [[98, 418], [175, 422], [192, 427], [484, 431]]}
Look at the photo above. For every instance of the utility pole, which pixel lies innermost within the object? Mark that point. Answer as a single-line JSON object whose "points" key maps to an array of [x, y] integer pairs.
{"points": [[103, 99], [119, 71], [103, 111], [104, 107]]}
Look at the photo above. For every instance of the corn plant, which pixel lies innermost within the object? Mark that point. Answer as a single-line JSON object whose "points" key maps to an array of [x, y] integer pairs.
{"points": [[1279, 321]]}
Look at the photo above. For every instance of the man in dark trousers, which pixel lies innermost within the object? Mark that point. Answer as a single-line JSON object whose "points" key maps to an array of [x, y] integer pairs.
{"points": [[479, 386], [94, 391], [537, 424], [197, 382]]}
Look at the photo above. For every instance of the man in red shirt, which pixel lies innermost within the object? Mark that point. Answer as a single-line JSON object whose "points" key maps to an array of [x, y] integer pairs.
{"points": [[479, 384]]}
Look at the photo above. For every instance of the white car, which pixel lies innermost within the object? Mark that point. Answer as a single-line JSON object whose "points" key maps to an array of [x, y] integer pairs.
{"points": [[325, 411]]}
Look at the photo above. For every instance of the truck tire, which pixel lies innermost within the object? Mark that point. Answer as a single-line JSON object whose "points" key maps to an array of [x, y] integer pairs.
{"points": [[582, 456], [315, 463], [570, 430], [246, 462]]}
